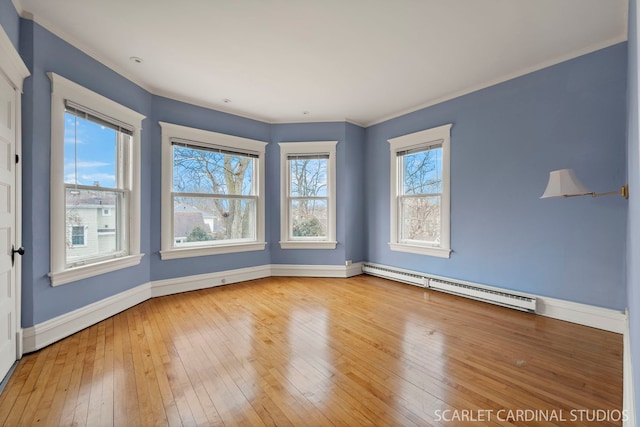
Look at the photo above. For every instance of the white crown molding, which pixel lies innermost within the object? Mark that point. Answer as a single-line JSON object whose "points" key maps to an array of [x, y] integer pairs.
{"points": [[575, 54], [83, 47], [323, 120], [17, 4], [210, 106], [505, 78], [261, 118]]}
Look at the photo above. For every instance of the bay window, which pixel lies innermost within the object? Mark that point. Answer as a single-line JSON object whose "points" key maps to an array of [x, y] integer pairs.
{"points": [[308, 208], [212, 200], [95, 167]]}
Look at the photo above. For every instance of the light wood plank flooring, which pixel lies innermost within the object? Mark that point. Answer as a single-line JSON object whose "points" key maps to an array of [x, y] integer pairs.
{"points": [[315, 352]]}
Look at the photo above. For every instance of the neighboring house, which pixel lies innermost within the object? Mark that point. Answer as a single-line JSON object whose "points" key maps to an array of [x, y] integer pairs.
{"points": [[187, 218], [91, 228]]}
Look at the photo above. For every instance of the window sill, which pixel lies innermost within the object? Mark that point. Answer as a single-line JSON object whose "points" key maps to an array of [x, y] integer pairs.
{"points": [[289, 244], [86, 271], [211, 250], [421, 250]]}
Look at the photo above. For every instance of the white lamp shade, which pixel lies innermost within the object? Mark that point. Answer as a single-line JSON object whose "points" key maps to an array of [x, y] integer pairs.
{"points": [[563, 183]]}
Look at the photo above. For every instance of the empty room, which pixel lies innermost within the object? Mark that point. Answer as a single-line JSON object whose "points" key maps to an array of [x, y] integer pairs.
{"points": [[316, 213]]}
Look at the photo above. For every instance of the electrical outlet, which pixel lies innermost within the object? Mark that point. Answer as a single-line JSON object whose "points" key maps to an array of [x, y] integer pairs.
{"points": [[348, 262]]}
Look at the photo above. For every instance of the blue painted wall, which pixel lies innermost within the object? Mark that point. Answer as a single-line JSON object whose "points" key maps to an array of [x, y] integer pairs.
{"points": [[44, 52], [633, 156], [10, 21], [171, 111], [504, 141], [351, 167], [350, 206], [349, 171]]}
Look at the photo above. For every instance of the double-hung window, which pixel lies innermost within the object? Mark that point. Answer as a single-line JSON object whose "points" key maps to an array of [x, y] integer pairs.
{"points": [[212, 199], [420, 190], [308, 212], [94, 169]]}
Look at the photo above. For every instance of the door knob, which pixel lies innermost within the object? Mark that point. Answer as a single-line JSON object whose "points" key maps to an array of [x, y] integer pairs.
{"points": [[14, 251]]}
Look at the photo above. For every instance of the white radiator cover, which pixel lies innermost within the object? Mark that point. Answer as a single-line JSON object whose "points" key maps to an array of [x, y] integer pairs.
{"points": [[397, 274], [466, 289]]}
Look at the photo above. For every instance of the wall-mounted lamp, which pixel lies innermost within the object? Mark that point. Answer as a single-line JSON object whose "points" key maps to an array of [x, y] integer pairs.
{"points": [[563, 183]]}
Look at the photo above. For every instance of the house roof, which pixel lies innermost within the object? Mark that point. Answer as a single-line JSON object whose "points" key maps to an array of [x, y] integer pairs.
{"points": [[185, 222], [91, 199], [181, 207]]}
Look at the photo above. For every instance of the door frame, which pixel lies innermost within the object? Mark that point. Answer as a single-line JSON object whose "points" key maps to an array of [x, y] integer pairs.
{"points": [[14, 69]]}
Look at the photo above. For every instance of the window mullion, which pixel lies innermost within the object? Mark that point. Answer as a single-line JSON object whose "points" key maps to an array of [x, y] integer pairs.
{"points": [[419, 195], [94, 188], [214, 195], [309, 198]]}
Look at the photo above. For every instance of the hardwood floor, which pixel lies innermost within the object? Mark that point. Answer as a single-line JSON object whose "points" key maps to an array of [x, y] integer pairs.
{"points": [[314, 352]]}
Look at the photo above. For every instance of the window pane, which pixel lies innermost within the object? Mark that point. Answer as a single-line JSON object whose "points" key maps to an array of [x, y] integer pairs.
{"points": [[308, 177], [90, 234], [420, 219], [208, 172], [90, 153], [422, 172], [211, 219], [77, 235], [308, 218]]}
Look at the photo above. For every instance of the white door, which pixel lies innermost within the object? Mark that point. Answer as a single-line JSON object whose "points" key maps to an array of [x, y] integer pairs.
{"points": [[8, 321]]}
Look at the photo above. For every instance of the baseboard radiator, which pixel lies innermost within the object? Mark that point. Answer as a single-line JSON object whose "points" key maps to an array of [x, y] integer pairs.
{"points": [[462, 288], [398, 275]]}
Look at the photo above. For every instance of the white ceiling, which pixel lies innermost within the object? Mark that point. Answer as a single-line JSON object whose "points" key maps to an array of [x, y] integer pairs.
{"points": [[357, 60]]}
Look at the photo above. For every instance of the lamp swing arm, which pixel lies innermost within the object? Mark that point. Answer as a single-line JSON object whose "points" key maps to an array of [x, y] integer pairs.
{"points": [[563, 183], [624, 192]]}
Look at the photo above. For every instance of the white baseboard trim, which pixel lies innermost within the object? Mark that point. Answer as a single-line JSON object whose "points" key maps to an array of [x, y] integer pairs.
{"points": [[50, 331], [45, 333], [582, 314], [19, 343], [209, 280], [628, 396], [289, 270], [354, 269]]}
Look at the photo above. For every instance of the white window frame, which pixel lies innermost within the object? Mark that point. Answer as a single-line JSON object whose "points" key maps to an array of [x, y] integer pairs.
{"points": [[172, 131], [312, 147], [420, 139], [63, 89]]}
